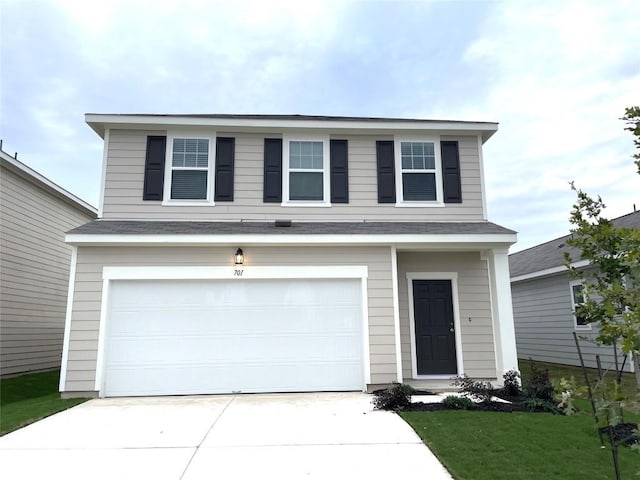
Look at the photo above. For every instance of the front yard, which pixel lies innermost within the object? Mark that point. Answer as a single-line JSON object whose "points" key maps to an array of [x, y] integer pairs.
{"points": [[522, 446], [30, 397]]}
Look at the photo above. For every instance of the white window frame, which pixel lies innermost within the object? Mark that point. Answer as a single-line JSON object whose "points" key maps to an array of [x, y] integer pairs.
{"points": [[572, 284], [326, 177], [400, 201], [168, 167]]}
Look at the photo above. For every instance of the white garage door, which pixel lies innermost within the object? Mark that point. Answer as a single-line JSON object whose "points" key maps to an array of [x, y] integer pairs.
{"points": [[172, 337]]}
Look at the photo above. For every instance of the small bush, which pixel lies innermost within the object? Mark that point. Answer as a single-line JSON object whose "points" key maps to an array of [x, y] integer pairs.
{"points": [[539, 386], [511, 380], [393, 398], [533, 404], [480, 391], [458, 403]]}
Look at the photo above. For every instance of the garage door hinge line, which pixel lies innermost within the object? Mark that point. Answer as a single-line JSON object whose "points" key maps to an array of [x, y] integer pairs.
{"points": [[205, 436]]}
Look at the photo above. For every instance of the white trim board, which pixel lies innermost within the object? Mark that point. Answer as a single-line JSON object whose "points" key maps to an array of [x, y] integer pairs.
{"points": [[548, 271], [453, 277], [98, 122], [396, 312], [445, 240], [111, 274], [67, 319], [236, 271]]}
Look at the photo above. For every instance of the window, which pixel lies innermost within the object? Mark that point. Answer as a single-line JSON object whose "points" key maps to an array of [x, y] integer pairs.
{"points": [[306, 171], [577, 299], [419, 172], [189, 169]]}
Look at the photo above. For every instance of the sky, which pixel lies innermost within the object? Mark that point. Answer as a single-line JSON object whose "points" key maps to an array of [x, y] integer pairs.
{"points": [[556, 75]]}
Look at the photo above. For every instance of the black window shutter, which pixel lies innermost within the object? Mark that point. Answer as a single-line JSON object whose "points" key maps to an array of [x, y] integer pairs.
{"points": [[272, 170], [339, 171], [451, 172], [386, 171], [154, 167], [225, 153]]}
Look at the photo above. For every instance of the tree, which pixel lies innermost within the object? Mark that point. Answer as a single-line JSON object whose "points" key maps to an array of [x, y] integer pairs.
{"points": [[611, 288]]}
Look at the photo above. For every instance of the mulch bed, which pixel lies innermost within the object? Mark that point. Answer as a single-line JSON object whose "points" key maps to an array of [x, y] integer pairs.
{"points": [[623, 433], [516, 405]]}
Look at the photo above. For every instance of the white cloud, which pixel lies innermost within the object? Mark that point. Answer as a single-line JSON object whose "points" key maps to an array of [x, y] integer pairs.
{"points": [[562, 74]]}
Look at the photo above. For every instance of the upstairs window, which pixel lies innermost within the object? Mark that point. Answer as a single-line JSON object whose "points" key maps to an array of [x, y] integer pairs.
{"points": [[418, 171], [306, 173], [190, 169]]}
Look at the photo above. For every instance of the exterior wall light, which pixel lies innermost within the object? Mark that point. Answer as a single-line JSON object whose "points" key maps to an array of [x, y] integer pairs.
{"points": [[239, 257]]}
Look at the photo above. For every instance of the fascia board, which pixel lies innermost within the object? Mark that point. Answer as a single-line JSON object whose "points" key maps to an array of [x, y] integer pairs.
{"points": [[486, 241], [99, 122], [548, 271]]}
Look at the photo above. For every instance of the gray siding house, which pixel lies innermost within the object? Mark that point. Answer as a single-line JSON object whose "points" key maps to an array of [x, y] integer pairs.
{"points": [[35, 214], [544, 301], [280, 253]]}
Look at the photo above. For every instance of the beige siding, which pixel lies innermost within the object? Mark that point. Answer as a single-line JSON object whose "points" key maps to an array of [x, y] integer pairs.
{"points": [[474, 303], [34, 274], [88, 293], [125, 177]]}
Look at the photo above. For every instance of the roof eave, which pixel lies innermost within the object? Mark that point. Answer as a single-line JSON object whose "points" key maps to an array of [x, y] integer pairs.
{"points": [[100, 122], [44, 183], [409, 241]]}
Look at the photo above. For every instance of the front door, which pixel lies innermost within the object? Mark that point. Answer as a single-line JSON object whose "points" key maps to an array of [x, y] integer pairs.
{"points": [[434, 327]]}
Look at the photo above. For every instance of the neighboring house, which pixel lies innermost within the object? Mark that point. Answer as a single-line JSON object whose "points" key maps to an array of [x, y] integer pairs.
{"points": [[275, 253], [35, 214], [544, 301]]}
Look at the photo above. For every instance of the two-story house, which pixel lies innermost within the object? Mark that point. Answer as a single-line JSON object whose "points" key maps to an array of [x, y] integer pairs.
{"points": [[279, 253]]}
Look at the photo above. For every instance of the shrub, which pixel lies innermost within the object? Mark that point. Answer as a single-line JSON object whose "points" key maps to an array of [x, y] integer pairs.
{"points": [[539, 386], [481, 391], [534, 404], [511, 380], [458, 403], [393, 398]]}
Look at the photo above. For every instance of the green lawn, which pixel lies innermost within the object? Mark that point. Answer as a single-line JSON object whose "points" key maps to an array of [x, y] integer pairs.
{"points": [[519, 446], [557, 371], [27, 398], [523, 446]]}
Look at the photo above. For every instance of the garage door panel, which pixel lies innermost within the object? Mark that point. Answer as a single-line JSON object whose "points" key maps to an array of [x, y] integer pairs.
{"points": [[232, 378], [191, 337], [215, 319]]}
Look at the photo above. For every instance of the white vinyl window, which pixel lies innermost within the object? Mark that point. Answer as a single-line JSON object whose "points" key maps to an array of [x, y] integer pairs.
{"points": [[418, 164], [577, 299], [189, 167], [306, 171]]}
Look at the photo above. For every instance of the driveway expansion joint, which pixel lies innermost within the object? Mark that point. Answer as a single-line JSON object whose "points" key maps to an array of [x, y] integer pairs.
{"points": [[195, 450]]}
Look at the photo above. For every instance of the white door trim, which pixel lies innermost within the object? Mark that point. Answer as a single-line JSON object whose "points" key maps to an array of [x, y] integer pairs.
{"points": [[453, 277], [240, 272]]}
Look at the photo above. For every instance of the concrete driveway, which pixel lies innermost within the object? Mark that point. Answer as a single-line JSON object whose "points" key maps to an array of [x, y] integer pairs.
{"points": [[283, 436]]}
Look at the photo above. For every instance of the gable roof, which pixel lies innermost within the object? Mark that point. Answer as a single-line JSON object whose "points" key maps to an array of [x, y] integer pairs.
{"points": [[274, 123], [548, 258], [29, 174]]}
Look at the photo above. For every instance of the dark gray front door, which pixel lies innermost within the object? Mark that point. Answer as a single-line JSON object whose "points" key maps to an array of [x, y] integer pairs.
{"points": [[434, 327]]}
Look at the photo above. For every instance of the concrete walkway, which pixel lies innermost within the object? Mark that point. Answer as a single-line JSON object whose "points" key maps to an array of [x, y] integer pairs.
{"points": [[280, 436]]}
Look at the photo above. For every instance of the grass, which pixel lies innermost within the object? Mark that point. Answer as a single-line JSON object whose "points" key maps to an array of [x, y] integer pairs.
{"points": [[30, 397], [556, 371], [519, 446], [523, 446]]}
